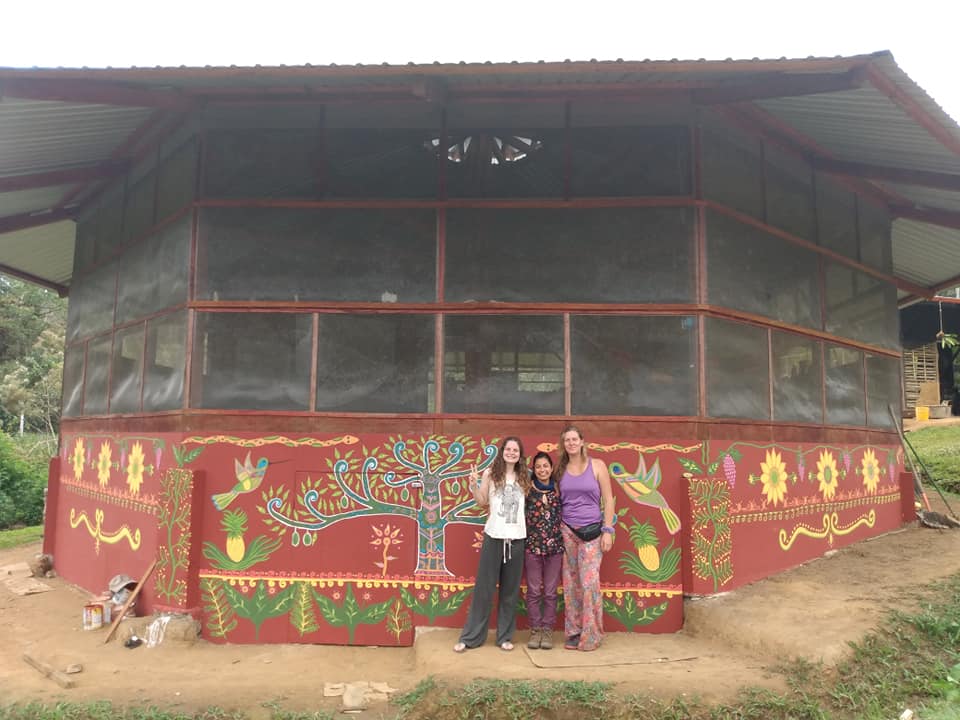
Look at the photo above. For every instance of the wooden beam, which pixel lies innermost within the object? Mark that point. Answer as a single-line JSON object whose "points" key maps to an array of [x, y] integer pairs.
{"points": [[903, 176], [911, 107], [52, 178], [12, 223], [61, 290], [781, 85], [943, 218], [94, 92]]}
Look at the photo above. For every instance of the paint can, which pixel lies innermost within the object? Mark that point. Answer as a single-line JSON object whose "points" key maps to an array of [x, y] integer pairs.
{"points": [[92, 616]]}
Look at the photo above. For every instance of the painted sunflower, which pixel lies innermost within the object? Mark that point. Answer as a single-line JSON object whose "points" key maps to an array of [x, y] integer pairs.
{"points": [[135, 468], [870, 469], [827, 474], [79, 455], [773, 475], [104, 462]]}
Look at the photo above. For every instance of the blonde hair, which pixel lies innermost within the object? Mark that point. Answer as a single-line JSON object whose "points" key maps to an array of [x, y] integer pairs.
{"points": [[561, 467]]}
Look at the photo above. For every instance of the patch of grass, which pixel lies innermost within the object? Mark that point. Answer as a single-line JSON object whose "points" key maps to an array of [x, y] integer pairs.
{"points": [[20, 536], [279, 713], [939, 448], [410, 700], [107, 711]]}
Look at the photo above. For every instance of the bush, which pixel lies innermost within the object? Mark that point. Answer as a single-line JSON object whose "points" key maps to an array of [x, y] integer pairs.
{"points": [[21, 487]]}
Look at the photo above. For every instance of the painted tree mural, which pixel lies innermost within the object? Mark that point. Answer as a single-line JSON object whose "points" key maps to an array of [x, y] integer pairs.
{"points": [[424, 479]]}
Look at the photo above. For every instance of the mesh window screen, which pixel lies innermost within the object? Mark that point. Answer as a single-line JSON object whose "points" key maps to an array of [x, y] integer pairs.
{"points": [[844, 378], [73, 380], [252, 361], [127, 370], [883, 390], [738, 370], [177, 179], [875, 244], [96, 376], [153, 272], [861, 307], [836, 217], [602, 255], [624, 161], [384, 163], [274, 163], [733, 173], [797, 378], [634, 365], [166, 350], [375, 363], [503, 364], [347, 255], [789, 193], [138, 208], [759, 273], [90, 308]]}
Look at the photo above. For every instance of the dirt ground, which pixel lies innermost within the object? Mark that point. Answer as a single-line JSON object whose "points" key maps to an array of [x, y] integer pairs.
{"points": [[728, 641]]}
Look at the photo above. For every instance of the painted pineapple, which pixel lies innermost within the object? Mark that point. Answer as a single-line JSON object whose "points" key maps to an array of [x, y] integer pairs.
{"points": [[644, 539], [234, 523]]}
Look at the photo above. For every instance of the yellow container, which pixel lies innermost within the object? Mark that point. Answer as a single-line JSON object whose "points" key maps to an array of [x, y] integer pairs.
{"points": [[923, 412]]}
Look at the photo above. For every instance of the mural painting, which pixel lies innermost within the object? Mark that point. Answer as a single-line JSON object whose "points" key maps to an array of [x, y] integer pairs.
{"points": [[359, 539]]}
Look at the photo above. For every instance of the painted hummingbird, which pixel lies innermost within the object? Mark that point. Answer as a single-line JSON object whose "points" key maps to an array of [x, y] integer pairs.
{"points": [[248, 479], [641, 487]]}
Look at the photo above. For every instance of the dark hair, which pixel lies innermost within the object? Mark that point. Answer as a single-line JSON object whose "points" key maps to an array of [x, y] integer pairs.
{"points": [[533, 463], [561, 466], [498, 470]]}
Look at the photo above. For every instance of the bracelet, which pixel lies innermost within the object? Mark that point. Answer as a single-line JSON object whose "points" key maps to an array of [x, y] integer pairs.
{"points": [[607, 529]]}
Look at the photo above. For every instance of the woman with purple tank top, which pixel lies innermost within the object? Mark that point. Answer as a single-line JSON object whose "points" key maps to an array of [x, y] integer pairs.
{"points": [[583, 482]]}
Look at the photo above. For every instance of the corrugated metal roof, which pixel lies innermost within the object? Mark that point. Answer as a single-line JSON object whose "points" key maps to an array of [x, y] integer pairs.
{"points": [[867, 125]]}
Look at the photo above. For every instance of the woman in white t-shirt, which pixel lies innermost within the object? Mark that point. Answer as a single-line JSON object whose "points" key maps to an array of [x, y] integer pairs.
{"points": [[503, 487]]}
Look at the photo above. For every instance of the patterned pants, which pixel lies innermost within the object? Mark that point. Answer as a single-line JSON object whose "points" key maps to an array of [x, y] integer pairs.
{"points": [[583, 604]]}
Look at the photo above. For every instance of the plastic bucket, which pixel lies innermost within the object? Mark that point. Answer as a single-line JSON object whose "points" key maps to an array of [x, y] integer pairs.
{"points": [[92, 616], [923, 412]]}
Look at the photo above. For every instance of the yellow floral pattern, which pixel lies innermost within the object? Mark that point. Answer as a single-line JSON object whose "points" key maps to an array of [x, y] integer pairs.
{"points": [[104, 463], [773, 476], [135, 468], [870, 469], [78, 458], [827, 474]]}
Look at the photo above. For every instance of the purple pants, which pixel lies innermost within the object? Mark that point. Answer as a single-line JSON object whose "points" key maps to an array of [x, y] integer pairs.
{"points": [[543, 577]]}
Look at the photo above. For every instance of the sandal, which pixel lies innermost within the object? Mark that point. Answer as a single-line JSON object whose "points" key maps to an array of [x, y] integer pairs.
{"points": [[506, 646], [459, 647], [572, 643]]}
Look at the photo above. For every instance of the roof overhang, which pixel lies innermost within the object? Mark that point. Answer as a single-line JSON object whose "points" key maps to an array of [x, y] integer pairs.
{"points": [[65, 132]]}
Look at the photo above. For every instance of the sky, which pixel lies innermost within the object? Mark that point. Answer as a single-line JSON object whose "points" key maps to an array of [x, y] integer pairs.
{"points": [[923, 35]]}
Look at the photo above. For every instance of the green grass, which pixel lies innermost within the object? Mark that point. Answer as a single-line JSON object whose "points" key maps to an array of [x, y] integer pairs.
{"points": [[20, 536], [939, 449]]}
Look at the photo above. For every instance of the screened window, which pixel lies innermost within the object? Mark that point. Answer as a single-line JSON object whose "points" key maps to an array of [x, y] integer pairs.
{"points": [[875, 245], [844, 378], [625, 161], [883, 390], [344, 255], [505, 150], [738, 370], [138, 208], [602, 255], [166, 350], [503, 364], [127, 370], [153, 272], [733, 172], [789, 193], [861, 307], [266, 163], [375, 363], [73, 380], [177, 179], [90, 309], [836, 217], [96, 377], [252, 361], [797, 378], [634, 365], [759, 273]]}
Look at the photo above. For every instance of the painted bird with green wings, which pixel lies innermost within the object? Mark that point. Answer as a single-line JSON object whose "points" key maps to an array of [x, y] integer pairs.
{"points": [[249, 478], [642, 487]]}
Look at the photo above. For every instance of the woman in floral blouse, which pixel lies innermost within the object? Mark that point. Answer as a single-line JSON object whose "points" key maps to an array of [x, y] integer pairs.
{"points": [[543, 556]]}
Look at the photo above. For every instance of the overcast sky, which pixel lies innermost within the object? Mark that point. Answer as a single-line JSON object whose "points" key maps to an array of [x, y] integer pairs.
{"points": [[923, 34]]}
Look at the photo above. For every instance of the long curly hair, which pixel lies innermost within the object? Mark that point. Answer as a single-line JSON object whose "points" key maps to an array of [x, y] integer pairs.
{"points": [[561, 466], [498, 470]]}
